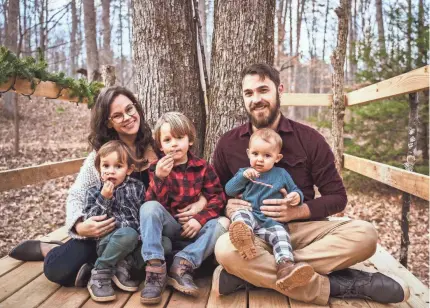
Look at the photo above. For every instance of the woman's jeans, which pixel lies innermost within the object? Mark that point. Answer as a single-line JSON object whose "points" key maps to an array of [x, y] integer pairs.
{"points": [[156, 221]]}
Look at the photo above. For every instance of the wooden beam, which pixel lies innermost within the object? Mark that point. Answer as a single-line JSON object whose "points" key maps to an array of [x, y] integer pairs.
{"points": [[17, 178], [410, 182], [303, 99], [46, 89], [413, 81]]}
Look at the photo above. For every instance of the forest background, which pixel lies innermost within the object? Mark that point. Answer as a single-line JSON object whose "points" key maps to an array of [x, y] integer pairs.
{"points": [[386, 38]]}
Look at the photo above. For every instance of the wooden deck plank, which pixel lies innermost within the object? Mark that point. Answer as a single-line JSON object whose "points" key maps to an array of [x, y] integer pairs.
{"points": [[180, 300], [67, 298], [297, 304], [350, 303], [134, 300], [235, 300], [7, 264], [262, 298], [32, 294], [386, 263], [19, 277], [121, 298]]}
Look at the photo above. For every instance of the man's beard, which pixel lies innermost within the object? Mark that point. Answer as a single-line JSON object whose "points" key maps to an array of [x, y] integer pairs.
{"points": [[265, 121]]}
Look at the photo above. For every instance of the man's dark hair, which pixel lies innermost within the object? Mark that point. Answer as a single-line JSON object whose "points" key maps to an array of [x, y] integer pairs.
{"points": [[263, 70]]}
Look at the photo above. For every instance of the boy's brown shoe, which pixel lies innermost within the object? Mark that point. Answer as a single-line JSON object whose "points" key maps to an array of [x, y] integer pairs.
{"points": [[292, 275], [242, 238], [181, 277], [155, 283], [100, 285], [122, 277]]}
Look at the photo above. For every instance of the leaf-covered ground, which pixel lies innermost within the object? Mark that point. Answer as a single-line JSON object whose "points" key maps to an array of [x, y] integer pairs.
{"points": [[54, 131]]}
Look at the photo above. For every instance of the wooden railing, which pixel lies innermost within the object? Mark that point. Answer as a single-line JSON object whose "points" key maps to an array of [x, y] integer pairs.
{"points": [[410, 182]]}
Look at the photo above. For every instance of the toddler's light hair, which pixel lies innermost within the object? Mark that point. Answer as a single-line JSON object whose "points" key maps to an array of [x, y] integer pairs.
{"points": [[180, 126], [268, 135]]}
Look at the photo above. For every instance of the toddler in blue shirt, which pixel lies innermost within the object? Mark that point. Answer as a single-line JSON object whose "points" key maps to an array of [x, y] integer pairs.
{"points": [[259, 182]]}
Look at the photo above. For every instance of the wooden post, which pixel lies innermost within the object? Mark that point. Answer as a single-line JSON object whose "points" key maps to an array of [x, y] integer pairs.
{"points": [[16, 124], [409, 166], [338, 62], [108, 75]]}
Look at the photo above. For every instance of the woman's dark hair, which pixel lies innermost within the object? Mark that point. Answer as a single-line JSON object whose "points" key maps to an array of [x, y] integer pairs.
{"points": [[102, 133]]}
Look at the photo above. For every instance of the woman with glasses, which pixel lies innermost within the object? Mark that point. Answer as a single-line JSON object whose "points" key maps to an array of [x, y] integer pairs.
{"points": [[117, 115]]}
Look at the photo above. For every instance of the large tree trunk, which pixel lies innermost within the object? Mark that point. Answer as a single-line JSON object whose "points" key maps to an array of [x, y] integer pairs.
{"points": [[237, 42], [338, 62], [91, 40], [165, 58], [381, 32], [107, 53]]}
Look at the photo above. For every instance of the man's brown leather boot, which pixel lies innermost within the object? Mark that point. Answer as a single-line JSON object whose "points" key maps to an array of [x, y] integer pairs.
{"points": [[181, 277]]}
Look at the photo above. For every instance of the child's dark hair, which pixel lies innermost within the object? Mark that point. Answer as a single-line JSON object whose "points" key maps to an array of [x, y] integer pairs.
{"points": [[180, 126], [263, 70], [118, 147]]}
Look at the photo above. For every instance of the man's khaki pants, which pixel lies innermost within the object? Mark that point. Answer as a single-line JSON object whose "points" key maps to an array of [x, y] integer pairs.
{"points": [[326, 245]]}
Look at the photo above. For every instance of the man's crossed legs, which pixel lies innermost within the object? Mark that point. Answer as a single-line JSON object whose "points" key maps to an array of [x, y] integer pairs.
{"points": [[329, 247]]}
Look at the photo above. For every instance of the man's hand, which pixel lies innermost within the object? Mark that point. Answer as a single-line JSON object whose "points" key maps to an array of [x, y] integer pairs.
{"points": [[251, 174], [236, 204], [281, 210], [96, 226], [164, 166], [107, 190], [191, 228], [190, 210]]}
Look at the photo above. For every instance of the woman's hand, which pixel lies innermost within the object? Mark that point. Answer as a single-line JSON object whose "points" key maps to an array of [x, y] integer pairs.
{"points": [[96, 226], [236, 204], [190, 210]]}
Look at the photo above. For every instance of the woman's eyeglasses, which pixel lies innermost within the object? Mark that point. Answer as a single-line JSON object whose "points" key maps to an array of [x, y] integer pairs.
{"points": [[118, 118]]}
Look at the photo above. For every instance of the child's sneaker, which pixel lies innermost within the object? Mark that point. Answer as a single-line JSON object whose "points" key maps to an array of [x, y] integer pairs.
{"points": [[242, 238], [181, 277], [122, 277], [292, 275], [100, 285]]}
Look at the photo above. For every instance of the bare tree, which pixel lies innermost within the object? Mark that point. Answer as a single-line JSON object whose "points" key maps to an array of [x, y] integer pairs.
{"points": [[107, 52], [338, 62], [381, 32], [165, 59], [91, 40], [73, 39], [252, 36], [352, 43]]}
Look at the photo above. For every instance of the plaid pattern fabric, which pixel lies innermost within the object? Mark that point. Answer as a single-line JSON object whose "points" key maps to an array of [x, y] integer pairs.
{"points": [[276, 235], [184, 185], [124, 205]]}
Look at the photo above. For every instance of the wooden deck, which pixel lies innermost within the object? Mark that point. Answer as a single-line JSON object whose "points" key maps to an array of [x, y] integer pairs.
{"points": [[23, 284]]}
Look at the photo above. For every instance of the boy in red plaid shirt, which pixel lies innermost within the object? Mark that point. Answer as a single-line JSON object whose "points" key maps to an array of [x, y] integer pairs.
{"points": [[177, 180]]}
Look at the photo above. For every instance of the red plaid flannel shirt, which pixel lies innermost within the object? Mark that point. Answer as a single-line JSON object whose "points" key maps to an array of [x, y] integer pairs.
{"points": [[184, 185]]}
